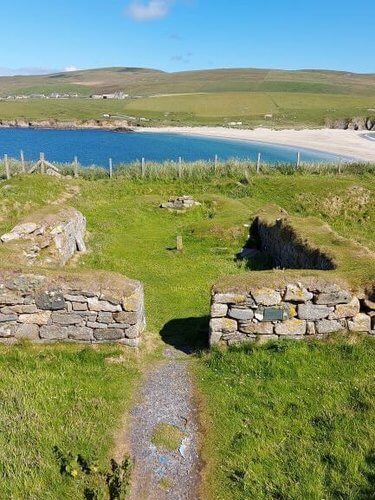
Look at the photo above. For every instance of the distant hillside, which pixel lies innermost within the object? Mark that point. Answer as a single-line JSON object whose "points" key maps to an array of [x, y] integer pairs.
{"points": [[145, 82]]}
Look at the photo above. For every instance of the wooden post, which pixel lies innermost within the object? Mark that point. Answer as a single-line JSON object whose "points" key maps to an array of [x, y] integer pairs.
{"points": [[179, 244], [41, 159], [179, 167], [258, 162], [110, 168], [22, 161], [7, 172], [143, 167], [75, 166], [298, 159]]}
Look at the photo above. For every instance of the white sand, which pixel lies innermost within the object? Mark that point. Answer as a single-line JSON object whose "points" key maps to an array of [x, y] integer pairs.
{"points": [[345, 143]]}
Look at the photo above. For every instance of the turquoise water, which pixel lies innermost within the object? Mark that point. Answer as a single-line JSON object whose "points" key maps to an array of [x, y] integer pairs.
{"points": [[97, 146]]}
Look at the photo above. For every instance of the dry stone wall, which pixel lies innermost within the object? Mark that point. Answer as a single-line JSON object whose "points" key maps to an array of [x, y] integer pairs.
{"points": [[96, 308], [311, 309]]}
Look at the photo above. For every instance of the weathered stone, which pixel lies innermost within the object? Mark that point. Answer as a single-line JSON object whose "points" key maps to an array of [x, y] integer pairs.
{"points": [[360, 323], [105, 317], [265, 328], [135, 343], [75, 298], [81, 333], [102, 305], [215, 338], [108, 334], [52, 300], [312, 312], [241, 314], [27, 331], [229, 298], [346, 310], [95, 325], [263, 339], [24, 309], [54, 332], [132, 332], [20, 231], [239, 339], [369, 304], [310, 330], [79, 306], [66, 319], [129, 318], [134, 303], [296, 293], [10, 299], [325, 326], [291, 327], [41, 318], [266, 297], [4, 318], [223, 325], [218, 310], [7, 329], [334, 298]]}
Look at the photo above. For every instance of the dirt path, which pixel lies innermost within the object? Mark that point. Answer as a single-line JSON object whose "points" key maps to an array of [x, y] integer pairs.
{"points": [[166, 398]]}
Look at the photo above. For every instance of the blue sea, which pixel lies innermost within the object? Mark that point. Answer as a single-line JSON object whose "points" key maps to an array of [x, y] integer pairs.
{"points": [[95, 147]]}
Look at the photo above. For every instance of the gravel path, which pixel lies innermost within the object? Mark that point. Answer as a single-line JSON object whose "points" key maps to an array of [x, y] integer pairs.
{"points": [[166, 398]]}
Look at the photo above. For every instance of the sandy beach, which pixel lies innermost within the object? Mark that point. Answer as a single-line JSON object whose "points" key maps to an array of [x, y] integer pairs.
{"points": [[345, 143]]}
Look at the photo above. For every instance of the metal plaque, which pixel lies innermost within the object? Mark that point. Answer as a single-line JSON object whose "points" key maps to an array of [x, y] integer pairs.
{"points": [[273, 314]]}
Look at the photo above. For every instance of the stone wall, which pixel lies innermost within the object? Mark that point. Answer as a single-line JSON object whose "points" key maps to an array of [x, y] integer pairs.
{"points": [[280, 240], [309, 309], [93, 308]]}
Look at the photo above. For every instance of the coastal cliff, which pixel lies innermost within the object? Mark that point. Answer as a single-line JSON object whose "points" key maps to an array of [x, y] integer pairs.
{"points": [[69, 124]]}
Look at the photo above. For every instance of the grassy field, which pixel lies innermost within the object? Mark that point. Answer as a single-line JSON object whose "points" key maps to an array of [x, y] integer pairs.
{"points": [[213, 97], [285, 421]]}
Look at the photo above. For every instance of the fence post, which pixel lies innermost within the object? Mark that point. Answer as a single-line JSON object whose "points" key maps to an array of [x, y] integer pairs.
{"points": [[215, 164], [258, 162], [143, 167], [7, 172], [340, 160], [110, 168], [41, 159], [298, 159], [22, 161], [179, 167], [75, 166]]}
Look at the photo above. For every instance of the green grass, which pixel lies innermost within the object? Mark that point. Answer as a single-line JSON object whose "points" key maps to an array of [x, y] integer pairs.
{"points": [[63, 396], [289, 421], [167, 437]]}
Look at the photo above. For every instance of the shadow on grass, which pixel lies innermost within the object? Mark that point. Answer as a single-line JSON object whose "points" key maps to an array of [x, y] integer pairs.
{"points": [[188, 335]]}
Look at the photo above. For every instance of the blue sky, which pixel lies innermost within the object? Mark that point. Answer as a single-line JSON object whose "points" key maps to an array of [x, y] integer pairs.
{"points": [[177, 35]]}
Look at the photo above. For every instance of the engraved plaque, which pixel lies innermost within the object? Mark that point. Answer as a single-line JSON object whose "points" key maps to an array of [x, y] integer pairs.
{"points": [[273, 314]]}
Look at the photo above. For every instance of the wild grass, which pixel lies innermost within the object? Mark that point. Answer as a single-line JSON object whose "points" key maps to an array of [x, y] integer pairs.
{"points": [[289, 420], [58, 396]]}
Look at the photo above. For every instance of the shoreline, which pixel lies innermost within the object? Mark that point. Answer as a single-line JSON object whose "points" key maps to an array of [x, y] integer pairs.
{"points": [[343, 143]]}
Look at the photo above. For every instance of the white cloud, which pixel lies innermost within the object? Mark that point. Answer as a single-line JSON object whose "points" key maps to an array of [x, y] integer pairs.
{"points": [[69, 69], [27, 71], [141, 10]]}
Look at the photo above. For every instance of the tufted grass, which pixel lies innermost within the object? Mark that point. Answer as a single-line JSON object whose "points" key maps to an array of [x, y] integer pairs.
{"points": [[289, 420]]}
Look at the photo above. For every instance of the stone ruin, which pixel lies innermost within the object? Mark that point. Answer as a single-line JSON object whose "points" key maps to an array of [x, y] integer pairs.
{"points": [[52, 239], [181, 203], [94, 308]]}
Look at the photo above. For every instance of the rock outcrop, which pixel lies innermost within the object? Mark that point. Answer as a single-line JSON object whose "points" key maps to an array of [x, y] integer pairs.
{"points": [[180, 203]]}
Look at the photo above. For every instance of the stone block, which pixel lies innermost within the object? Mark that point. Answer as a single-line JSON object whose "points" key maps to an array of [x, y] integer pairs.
{"points": [[41, 318], [135, 343], [7, 329], [229, 298], [135, 302], [10, 299], [102, 305], [79, 306], [24, 309], [252, 328], [218, 310], [51, 300], [27, 331], [312, 312], [291, 327], [4, 318], [54, 332], [132, 332], [297, 293], [310, 328], [97, 325], [223, 325], [215, 338], [81, 333], [346, 310], [333, 298], [266, 297], [66, 318], [129, 318], [241, 313], [369, 304], [105, 317], [75, 298], [325, 326], [108, 334], [360, 323], [263, 339], [239, 339]]}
